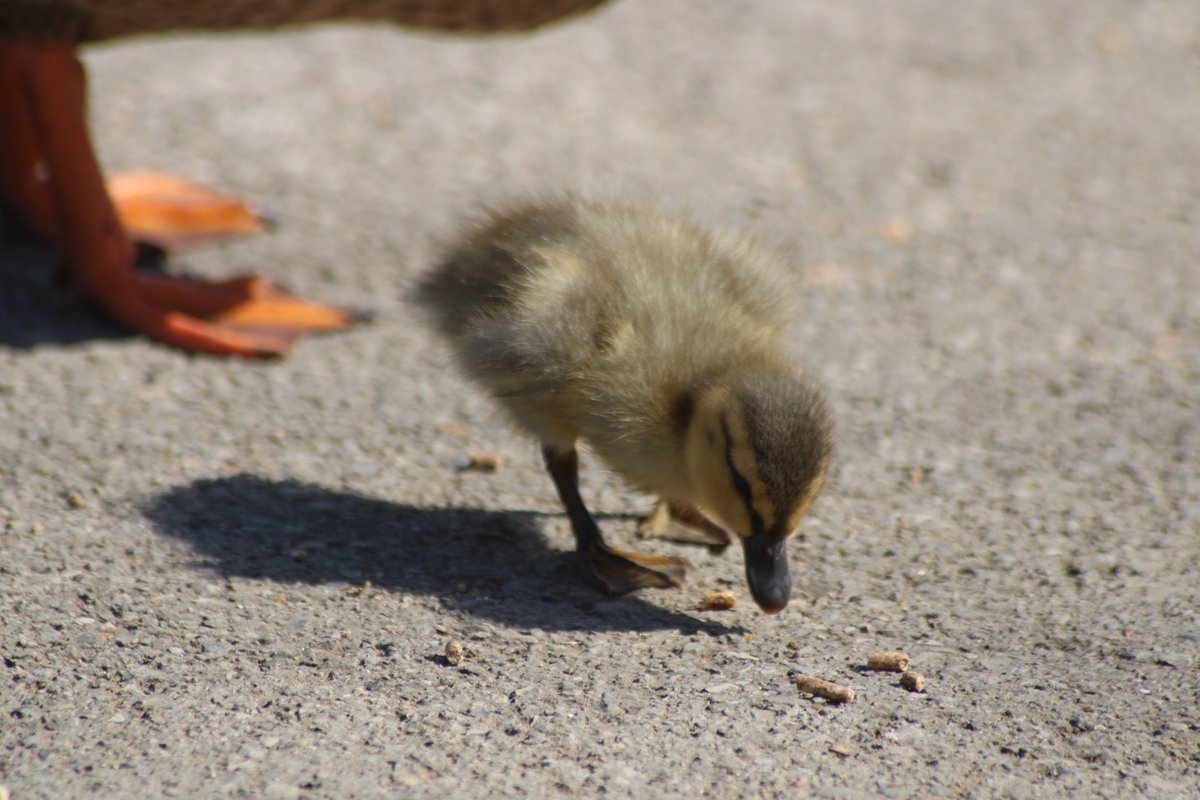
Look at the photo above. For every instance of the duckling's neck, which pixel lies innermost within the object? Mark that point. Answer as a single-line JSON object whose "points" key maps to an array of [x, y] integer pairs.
{"points": [[658, 434], [642, 435]]}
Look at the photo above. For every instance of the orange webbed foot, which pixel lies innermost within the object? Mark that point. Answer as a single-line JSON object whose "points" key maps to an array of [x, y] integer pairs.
{"points": [[244, 316], [169, 211], [49, 174], [247, 316]]}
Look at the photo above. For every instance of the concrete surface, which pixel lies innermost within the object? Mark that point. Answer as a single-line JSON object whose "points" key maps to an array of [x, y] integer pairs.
{"points": [[994, 211]]}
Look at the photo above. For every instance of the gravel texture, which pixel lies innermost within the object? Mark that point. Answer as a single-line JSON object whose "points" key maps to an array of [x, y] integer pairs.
{"points": [[238, 580]]}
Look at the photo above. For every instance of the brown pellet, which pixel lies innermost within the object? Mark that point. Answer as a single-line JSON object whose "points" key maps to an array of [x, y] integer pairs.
{"points": [[454, 653], [717, 601], [480, 462], [913, 681], [818, 687], [888, 662]]}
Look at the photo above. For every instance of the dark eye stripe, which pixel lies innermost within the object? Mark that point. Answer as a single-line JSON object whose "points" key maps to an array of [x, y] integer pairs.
{"points": [[739, 480]]}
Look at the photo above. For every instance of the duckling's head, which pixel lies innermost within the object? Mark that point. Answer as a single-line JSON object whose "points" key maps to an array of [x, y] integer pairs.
{"points": [[758, 445]]}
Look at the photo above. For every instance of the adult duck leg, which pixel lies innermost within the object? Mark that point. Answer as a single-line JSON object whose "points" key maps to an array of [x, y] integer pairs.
{"points": [[245, 316], [24, 188]]}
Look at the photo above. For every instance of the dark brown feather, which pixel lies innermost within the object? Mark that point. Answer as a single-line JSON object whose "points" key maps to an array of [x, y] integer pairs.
{"points": [[94, 20]]}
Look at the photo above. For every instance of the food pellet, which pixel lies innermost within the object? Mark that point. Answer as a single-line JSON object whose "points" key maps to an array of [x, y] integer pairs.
{"points": [[818, 687], [717, 601], [888, 662], [454, 653], [913, 681], [479, 462]]}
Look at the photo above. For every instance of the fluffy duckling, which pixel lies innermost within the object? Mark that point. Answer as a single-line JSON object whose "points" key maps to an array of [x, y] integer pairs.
{"points": [[660, 346]]}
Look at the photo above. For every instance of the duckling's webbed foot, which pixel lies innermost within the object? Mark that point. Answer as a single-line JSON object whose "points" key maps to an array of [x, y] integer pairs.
{"points": [[684, 524], [616, 570], [620, 571]]}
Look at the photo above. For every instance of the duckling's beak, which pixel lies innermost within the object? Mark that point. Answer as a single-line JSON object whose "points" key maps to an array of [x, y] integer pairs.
{"points": [[767, 570]]}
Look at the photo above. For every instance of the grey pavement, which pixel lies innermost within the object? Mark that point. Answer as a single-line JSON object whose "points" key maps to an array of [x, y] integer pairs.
{"points": [[235, 580]]}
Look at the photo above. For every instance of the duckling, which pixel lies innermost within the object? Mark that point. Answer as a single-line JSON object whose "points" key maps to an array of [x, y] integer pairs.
{"points": [[50, 176], [660, 346]]}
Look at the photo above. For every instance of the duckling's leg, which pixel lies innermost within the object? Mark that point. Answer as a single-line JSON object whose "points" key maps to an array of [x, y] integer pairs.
{"points": [[54, 180], [618, 571], [685, 524]]}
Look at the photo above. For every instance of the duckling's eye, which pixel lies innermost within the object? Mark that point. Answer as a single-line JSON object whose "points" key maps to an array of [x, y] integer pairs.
{"points": [[740, 484], [711, 435]]}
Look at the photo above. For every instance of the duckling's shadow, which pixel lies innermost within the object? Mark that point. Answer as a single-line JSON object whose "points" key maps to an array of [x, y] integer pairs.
{"points": [[35, 308], [489, 564]]}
